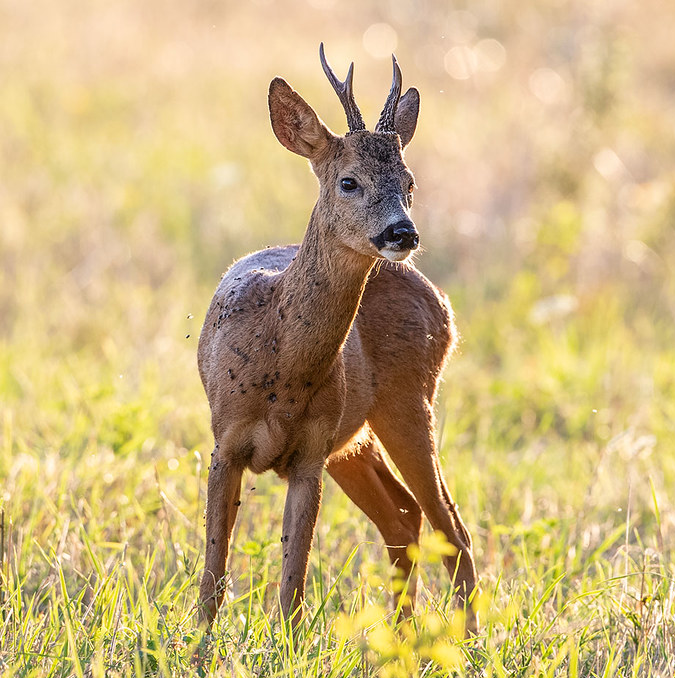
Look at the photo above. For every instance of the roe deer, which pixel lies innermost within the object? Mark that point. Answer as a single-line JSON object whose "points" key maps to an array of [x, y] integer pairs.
{"points": [[312, 358]]}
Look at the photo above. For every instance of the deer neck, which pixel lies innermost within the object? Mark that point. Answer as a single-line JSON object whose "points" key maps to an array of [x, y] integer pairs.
{"points": [[319, 296]]}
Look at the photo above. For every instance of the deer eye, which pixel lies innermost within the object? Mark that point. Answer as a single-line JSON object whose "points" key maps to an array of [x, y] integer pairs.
{"points": [[411, 188], [348, 184]]}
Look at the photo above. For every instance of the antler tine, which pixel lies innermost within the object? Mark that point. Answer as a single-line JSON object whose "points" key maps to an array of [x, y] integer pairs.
{"points": [[345, 93], [386, 122]]}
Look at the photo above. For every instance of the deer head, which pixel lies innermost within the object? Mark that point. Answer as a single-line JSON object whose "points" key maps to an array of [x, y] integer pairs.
{"points": [[366, 189]]}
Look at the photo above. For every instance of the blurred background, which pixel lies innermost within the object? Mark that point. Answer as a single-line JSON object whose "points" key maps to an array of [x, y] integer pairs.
{"points": [[136, 142], [137, 162]]}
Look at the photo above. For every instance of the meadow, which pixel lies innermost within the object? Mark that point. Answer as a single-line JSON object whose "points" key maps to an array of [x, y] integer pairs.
{"points": [[137, 162]]}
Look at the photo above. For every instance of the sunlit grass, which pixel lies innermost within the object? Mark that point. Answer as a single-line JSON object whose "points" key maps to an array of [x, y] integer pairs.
{"points": [[104, 490]]}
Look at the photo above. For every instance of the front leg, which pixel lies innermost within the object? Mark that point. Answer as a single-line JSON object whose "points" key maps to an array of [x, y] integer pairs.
{"points": [[302, 507], [221, 511]]}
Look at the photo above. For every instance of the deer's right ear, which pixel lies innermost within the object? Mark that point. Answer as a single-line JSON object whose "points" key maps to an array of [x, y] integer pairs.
{"points": [[405, 119], [294, 122]]}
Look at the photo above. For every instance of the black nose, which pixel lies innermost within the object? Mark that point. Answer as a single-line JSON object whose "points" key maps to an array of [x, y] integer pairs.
{"points": [[404, 234]]}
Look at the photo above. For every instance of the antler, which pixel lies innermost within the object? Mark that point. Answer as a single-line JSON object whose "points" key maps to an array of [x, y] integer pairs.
{"points": [[345, 94], [385, 124]]}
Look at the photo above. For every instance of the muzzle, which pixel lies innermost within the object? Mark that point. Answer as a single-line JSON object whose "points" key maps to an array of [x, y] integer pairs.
{"points": [[402, 236]]}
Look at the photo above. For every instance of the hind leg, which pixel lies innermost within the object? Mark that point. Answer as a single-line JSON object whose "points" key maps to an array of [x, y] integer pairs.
{"points": [[407, 433], [367, 480]]}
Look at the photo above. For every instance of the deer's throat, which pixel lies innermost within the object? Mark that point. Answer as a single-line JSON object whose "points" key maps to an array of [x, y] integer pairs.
{"points": [[319, 297]]}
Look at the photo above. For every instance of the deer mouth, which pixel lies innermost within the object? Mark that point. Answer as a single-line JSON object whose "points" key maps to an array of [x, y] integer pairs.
{"points": [[397, 241]]}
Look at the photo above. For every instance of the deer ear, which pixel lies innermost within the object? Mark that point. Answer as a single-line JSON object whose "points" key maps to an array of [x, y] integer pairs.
{"points": [[295, 124], [405, 119]]}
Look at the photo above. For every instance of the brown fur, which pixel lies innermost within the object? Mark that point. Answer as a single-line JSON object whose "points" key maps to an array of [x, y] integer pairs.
{"points": [[311, 358]]}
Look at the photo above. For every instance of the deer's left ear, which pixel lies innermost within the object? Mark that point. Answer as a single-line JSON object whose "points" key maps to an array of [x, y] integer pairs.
{"points": [[405, 118], [294, 122]]}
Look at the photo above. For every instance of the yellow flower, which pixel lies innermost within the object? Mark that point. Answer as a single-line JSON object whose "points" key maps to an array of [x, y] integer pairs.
{"points": [[447, 655]]}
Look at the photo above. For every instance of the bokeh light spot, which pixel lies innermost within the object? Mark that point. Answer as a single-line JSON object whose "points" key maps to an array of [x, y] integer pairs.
{"points": [[547, 85], [380, 40], [609, 164], [460, 62], [490, 55]]}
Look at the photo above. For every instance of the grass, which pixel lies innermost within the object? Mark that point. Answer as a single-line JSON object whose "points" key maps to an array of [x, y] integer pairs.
{"points": [[138, 162]]}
